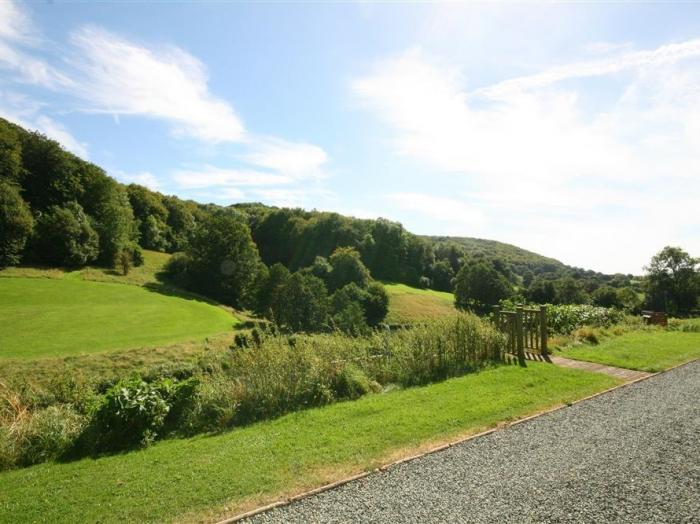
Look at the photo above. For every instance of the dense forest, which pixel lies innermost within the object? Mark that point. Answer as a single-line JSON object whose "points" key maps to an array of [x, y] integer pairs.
{"points": [[57, 209]]}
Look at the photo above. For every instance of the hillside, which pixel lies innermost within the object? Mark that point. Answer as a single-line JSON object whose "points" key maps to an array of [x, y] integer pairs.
{"points": [[54, 312], [57, 210], [521, 259], [409, 304]]}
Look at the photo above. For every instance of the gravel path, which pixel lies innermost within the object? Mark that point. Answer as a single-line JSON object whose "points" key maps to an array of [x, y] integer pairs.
{"points": [[632, 455]]}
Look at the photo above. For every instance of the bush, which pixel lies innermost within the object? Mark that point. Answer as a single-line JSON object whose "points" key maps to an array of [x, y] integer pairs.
{"points": [[131, 414], [137, 255], [565, 319], [177, 269]]}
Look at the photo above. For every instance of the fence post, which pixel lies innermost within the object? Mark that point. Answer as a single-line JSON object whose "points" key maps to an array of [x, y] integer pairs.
{"points": [[519, 335], [543, 331]]}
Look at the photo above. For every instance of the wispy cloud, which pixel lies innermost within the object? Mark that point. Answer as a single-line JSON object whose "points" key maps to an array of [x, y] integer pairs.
{"points": [[537, 153], [121, 77], [439, 208], [18, 37], [210, 177], [663, 55], [106, 73], [298, 160], [142, 178], [27, 113]]}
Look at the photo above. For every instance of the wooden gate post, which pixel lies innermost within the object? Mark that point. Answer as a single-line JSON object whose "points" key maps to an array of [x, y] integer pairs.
{"points": [[543, 331], [519, 335]]}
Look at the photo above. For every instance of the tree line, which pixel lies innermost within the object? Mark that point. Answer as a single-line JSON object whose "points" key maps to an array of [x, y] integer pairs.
{"points": [[57, 209]]}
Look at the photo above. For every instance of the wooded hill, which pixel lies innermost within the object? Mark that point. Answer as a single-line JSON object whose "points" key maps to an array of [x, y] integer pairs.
{"points": [[57, 209]]}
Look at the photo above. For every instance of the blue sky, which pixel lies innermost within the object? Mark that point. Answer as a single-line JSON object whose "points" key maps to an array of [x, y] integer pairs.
{"points": [[572, 130]]}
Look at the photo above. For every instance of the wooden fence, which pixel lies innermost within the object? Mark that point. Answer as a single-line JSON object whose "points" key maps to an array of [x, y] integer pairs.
{"points": [[525, 330]]}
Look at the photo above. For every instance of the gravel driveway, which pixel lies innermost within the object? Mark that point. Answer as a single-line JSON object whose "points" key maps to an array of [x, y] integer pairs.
{"points": [[632, 455]]}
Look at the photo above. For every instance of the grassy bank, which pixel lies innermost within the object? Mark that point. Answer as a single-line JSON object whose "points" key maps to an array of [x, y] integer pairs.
{"points": [[409, 304], [45, 317], [208, 476], [648, 350]]}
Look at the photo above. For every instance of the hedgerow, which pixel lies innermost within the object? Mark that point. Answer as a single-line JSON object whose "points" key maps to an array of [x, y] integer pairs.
{"points": [[261, 376]]}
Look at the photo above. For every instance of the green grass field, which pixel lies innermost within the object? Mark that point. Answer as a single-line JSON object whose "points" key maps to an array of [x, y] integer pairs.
{"points": [[47, 317], [643, 350], [153, 263], [205, 477], [409, 304]]}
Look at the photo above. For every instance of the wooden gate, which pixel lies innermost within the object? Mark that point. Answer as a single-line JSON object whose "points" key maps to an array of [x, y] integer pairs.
{"points": [[525, 330]]}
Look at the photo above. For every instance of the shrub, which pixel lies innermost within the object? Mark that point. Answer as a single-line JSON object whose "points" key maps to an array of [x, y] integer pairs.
{"points": [[177, 269], [565, 319], [123, 262], [130, 414]]}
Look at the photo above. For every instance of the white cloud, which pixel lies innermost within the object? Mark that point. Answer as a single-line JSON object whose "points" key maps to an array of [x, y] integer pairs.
{"points": [[210, 176], [58, 132], [16, 34], [548, 164], [121, 77], [16, 24], [663, 55], [306, 198], [27, 113], [279, 168], [143, 178], [298, 160], [444, 209]]}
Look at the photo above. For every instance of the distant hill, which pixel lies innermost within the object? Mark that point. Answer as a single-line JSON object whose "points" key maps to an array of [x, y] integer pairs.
{"points": [[520, 260]]}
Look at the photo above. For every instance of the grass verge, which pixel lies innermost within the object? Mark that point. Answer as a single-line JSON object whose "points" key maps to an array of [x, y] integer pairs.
{"points": [[648, 350], [206, 477], [54, 317]]}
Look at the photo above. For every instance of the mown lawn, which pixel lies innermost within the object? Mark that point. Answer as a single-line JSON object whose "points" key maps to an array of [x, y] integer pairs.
{"points": [[205, 477], [643, 350], [45, 317], [409, 304]]}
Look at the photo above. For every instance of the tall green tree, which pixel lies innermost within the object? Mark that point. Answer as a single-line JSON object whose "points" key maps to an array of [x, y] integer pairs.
{"points": [[302, 304], [16, 224], [223, 259], [65, 237], [570, 291], [347, 268], [10, 152], [541, 291], [478, 286], [672, 281]]}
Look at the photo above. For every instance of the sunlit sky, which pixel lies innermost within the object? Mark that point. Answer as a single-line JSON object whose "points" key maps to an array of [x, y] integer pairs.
{"points": [[572, 130]]}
